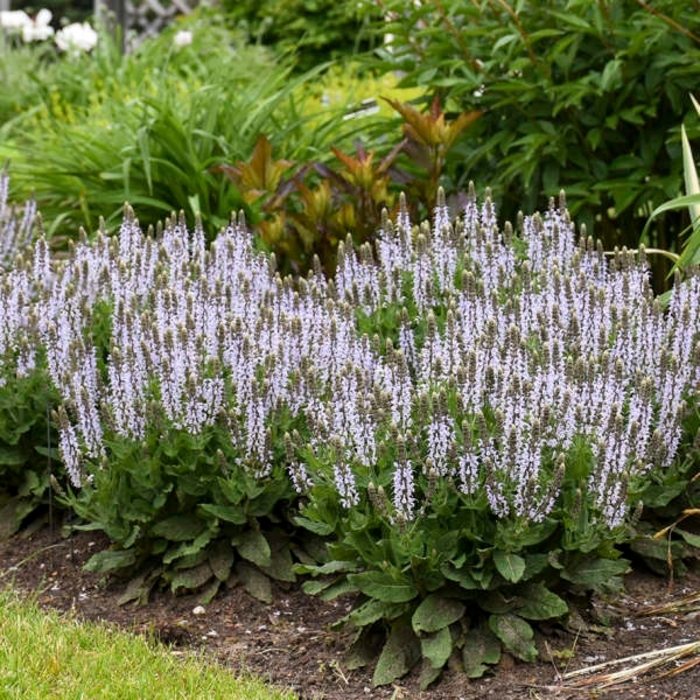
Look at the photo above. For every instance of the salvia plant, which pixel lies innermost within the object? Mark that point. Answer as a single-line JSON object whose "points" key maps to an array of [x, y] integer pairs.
{"points": [[467, 418], [25, 393]]}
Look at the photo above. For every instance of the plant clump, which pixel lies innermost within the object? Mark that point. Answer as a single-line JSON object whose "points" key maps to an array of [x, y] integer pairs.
{"points": [[458, 426]]}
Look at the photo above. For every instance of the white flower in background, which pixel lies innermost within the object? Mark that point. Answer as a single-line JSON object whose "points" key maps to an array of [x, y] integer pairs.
{"points": [[76, 38], [14, 19], [182, 38], [38, 29]]}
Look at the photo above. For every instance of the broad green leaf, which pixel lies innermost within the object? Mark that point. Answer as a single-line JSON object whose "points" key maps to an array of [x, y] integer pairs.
{"points": [[400, 653], [659, 495], [110, 560], [384, 586], [191, 579], [339, 587], [179, 528], [462, 576], [254, 581], [435, 613], [12, 514], [221, 560], [281, 566], [253, 546], [139, 588], [595, 571], [374, 610], [516, 635], [496, 602], [510, 566], [649, 548], [692, 539], [314, 526], [230, 514], [315, 587], [437, 647], [428, 674], [362, 651], [539, 603], [208, 592], [481, 649], [11, 457], [189, 549], [332, 567]]}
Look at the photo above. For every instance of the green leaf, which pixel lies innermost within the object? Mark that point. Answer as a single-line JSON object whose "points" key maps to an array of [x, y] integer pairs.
{"points": [[428, 674], [374, 610], [692, 539], [496, 602], [208, 592], [659, 495], [191, 579], [11, 457], [110, 560], [332, 567], [363, 650], [573, 20], [12, 514], [462, 576], [516, 635], [435, 613], [338, 588], [316, 587], [139, 588], [400, 653], [314, 526], [229, 514], [254, 581], [594, 571], [179, 528], [281, 567], [384, 586], [510, 566], [481, 649], [650, 548], [539, 603], [221, 560], [188, 549], [437, 647], [253, 546]]}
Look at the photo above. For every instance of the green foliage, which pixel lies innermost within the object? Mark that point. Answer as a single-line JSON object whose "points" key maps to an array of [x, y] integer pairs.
{"points": [[27, 458], [416, 580], [148, 128], [577, 95], [671, 496], [314, 30], [690, 255], [180, 510], [305, 210]]}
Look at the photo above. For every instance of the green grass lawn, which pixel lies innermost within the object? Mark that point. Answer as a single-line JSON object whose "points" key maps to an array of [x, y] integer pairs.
{"points": [[47, 655]]}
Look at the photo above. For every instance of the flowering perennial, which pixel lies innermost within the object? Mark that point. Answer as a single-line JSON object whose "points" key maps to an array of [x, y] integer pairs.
{"points": [[74, 38], [491, 355]]}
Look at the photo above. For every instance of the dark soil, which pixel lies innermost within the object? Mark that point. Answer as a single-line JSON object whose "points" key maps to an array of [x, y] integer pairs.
{"points": [[290, 642]]}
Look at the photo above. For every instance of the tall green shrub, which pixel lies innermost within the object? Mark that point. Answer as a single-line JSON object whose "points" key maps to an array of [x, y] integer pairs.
{"points": [[580, 95], [316, 30]]}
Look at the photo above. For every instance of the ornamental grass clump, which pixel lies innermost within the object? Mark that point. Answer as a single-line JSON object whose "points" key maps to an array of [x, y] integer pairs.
{"points": [[468, 417]]}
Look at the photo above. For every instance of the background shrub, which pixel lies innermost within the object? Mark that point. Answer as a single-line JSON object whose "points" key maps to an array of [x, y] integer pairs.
{"points": [[148, 127], [577, 95], [314, 30]]}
